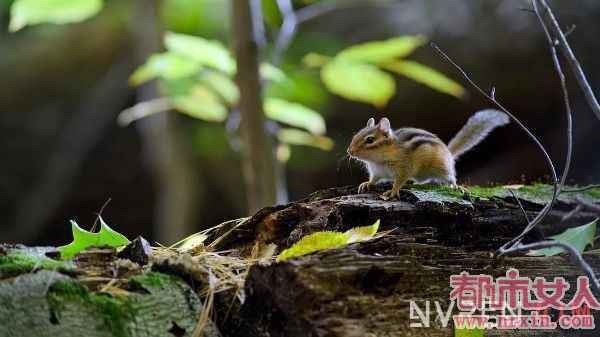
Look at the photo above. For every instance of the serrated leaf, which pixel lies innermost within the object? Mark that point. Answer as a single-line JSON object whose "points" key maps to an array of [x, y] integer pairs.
{"points": [[358, 81], [427, 76], [294, 114], [83, 239], [31, 12], [299, 137], [358, 234], [210, 53], [168, 65], [578, 237], [222, 85], [201, 103], [327, 240], [380, 51]]}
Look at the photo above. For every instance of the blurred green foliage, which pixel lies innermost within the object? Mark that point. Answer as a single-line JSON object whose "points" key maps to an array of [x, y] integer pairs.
{"points": [[195, 74]]}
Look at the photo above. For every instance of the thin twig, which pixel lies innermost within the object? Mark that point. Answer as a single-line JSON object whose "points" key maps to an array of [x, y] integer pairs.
{"points": [[520, 204], [565, 94], [540, 216], [569, 248], [287, 30], [572, 60], [581, 189], [99, 213]]}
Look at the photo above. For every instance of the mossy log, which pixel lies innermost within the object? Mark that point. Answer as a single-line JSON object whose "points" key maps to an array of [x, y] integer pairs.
{"points": [[363, 289], [96, 295]]}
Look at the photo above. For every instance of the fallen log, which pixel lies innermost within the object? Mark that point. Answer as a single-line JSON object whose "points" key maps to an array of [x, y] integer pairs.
{"points": [[363, 289]]}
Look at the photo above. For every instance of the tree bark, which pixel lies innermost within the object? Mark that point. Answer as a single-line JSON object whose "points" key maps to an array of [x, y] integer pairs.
{"points": [[258, 160]]}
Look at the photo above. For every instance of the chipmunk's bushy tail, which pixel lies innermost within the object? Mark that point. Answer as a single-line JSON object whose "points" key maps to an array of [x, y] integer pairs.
{"points": [[476, 129]]}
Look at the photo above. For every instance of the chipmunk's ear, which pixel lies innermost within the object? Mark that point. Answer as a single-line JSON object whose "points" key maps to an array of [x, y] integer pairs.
{"points": [[384, 125], [370, 122]]}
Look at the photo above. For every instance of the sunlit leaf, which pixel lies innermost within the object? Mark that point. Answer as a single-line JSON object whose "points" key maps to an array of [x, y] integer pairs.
{"points": [[358, 81], [207, 52], [299, 137], [358, 234], [166, 65], [578, 237], [380, 51], [201, 103], [31, 12], [315, 60], [83, 239], [222, 85], [294, 114], [328, 240], [313, 243], [427, 76], [271, 72]]}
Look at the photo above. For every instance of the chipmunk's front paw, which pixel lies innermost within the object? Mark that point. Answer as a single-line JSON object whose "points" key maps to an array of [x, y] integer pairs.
{"points": [[391, 194], [364, 187]]}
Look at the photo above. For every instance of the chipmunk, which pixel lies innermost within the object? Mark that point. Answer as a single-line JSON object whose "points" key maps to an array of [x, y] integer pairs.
{"points": [[415, 154]]}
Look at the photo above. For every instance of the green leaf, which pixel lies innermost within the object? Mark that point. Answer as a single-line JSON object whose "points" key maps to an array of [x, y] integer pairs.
{"points": [[201, 103], [271, 72], [166, 65], [578, 237], [469, 332], [83, 239], [358, 81], [31, 12], [312, 243], [294, 114], [206, 52], [222, 85], [380, 51], [299, 137], [327, 240], [427, 76], [358, 234], [315, 60]]}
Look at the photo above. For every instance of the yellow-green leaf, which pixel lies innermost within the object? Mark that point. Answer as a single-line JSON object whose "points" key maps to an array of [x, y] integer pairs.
{"points": [[327, 240], [271, 72], [299, 137], [201, 103], [31, 12], [358, 81], [358, 234], [380, 51], [222, 85], [314, 242], [166, 65], [578, 237], [210, 53], [427, 76], [83, 239], [294, 114]]}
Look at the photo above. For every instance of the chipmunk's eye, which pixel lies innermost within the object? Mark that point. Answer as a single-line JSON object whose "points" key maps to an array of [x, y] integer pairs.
{"points": [[369, 140]]}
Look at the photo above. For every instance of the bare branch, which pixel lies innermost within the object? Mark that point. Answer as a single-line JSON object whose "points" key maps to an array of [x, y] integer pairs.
{"points": [[581, 189], [537, 142], [572, 60]]}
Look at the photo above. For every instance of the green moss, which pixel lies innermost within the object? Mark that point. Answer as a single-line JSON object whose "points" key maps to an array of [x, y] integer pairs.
{"points": [[114, 313], [15, 264], [152, 279]]}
